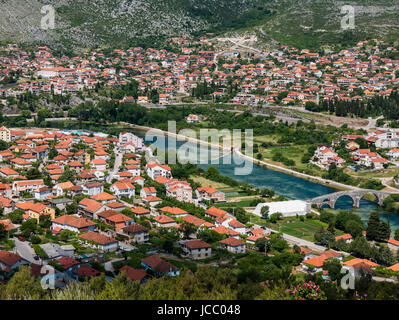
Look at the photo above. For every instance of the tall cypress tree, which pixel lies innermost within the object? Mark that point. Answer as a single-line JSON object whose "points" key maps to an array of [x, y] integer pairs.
{"points": [[373, 226]]}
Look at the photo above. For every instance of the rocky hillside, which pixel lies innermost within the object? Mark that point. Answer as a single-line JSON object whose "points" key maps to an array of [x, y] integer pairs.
{"points": [[311, 23], [88, 23], [85, 23]]}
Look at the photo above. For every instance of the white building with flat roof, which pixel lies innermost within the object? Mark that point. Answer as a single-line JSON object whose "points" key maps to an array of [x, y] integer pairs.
{"points": [[286, 208]]}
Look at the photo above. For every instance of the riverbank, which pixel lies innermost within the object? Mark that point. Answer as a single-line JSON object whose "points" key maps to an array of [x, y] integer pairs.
{"points": [[329, 183]]}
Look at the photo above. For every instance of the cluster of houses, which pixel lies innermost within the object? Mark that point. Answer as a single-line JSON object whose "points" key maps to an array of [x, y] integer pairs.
{"points": [[107, 215], [325, 155], [313, 262], [353, 74], [386, 140]]}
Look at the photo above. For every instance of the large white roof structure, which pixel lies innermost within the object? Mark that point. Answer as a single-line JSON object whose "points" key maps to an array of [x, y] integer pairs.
{"points": [[286, 208]]}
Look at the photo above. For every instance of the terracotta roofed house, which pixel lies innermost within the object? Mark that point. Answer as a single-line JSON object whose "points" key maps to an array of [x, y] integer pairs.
{"points": [[74, 224], [10, 262], [234, 245], [134, 274], [196, 249], [159, 267], [100, 241]]}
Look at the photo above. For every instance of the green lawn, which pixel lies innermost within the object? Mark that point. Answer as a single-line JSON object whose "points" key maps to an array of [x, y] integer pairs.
{"points": [[294, 227], [212, 184], [188, 265]]}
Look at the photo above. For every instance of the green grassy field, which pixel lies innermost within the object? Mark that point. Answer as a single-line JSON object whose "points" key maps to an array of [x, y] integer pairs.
{"points": [[212, 184], [294, 227]]}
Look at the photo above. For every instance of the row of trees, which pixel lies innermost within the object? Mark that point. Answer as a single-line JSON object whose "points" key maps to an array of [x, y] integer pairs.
{"points": [[376, 106]]}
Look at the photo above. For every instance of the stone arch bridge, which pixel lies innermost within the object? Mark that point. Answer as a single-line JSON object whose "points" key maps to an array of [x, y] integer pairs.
{"points": [[356, 195]]}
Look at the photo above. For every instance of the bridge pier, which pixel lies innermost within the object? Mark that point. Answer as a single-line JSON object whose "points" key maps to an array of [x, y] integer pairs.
{"points": [[356, 202]]}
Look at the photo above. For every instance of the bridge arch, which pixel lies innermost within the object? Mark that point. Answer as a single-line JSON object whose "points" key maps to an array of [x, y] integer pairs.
{"points": [[355, 195], [345, 199]]}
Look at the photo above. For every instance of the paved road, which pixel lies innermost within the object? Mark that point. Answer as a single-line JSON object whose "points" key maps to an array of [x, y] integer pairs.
{"points": [[381, 279], [117, 164], [303, 243], [26, 251], [384, 181], [298, 241], [372, 123], [108, 265]]}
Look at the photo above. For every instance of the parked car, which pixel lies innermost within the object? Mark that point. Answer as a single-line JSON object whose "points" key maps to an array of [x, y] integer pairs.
{"points": [[21, 239]]}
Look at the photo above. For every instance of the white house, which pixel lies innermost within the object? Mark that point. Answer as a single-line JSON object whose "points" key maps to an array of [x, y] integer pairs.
{"points": [[234, 245], [123, 189], [155, 170], [393, 154], [147, 192], [93, 188], [100, 241], [125, 137], [99, 164], [42, 193]]}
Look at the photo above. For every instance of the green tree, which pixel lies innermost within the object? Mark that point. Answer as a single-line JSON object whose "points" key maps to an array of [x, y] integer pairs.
{"points": [[384, 231], [263, 244], [33, 173], [264, 211], [23, 286], [28, 227], [360, 247], [373, 226], [187, 229], [333, 266], [354, 228], [324, 237], [3, 232], [16, 216], [385, 256], [45, 221], [209, 236], [68, 175]]}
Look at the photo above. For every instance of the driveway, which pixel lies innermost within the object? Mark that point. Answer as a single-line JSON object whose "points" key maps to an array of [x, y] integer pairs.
{"points": [[108, 265], [26, 251]]}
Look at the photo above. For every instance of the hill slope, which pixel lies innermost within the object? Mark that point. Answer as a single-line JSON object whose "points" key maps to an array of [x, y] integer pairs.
{"points": [[85, 23]]}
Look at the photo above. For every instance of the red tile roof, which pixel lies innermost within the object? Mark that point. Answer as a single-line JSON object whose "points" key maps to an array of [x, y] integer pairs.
{"points": [[97, 238], [232, 242], [157, 264], [133, 274]]}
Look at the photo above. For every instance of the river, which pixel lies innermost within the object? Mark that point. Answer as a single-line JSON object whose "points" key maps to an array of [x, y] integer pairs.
{"points": [[283, 184]]}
